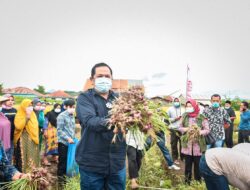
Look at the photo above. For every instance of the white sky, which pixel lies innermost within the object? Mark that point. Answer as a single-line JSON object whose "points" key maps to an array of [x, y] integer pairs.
{"points": [[56, 42]]}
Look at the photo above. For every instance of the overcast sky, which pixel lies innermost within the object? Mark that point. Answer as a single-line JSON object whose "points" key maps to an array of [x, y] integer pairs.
{"points": [[56, 42]]}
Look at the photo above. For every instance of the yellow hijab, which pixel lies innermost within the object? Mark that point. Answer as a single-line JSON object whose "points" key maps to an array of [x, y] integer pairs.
{"points": [[21, 123]]}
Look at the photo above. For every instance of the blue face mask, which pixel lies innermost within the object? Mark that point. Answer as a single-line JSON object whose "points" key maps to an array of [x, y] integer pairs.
{"points": [[103, 85], [216, 105], [176, 104]]}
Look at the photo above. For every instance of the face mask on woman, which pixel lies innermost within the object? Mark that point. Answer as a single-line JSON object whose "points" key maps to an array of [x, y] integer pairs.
{"points": [[30, 108], [37, 108], [57, 110], [189, 109], [42, 108], [103, 84]]}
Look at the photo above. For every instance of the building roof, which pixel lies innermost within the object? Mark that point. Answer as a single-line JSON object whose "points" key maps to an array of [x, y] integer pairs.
{"points": [[59, 94], [22, 91]]}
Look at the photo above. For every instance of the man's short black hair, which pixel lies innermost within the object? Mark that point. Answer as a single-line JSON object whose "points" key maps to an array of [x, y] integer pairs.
{"points": [[215, 95], [246, 104], [228, 102], [176, 99], [93, 70], [69, 103]]}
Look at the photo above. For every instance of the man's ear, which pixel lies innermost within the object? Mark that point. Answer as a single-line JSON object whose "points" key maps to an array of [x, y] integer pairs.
{"points": [[92, 80]]}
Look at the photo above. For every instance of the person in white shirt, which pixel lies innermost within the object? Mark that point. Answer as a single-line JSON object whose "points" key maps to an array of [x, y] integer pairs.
{"points": [[135, 146], [175, 112]]}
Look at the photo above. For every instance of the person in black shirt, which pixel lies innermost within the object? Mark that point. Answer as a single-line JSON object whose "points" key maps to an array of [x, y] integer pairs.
{"points": [[101, 162], [229, 130], [10, 112]]}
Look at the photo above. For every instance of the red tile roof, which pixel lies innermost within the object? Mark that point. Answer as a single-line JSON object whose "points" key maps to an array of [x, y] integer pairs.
{"points": [[21, 90], [59, 94]]}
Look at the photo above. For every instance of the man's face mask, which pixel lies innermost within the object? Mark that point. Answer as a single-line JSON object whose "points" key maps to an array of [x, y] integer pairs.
{"points": [[103, 84], [215, 105], [176, 104]]}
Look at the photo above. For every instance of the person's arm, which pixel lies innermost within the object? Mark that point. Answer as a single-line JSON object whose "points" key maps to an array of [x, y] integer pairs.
{"points": [[20, 121], [61, 128], [205, 128], [172, 118], [86, 113], [46, 123], [183, 129], [9, 171], [245, 117], [226, 117], [233, 115]]}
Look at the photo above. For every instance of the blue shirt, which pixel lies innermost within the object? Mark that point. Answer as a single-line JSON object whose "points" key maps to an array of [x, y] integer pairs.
{"points": [[7, 169], [65, 127], [95, 151], [245, 121]]}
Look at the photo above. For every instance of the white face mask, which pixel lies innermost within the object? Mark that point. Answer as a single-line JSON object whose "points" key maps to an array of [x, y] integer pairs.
{"points": [[71, 110], [30, 108], [189, 109], [37, 108], [57, 110], [42, 108], [103, 84]]}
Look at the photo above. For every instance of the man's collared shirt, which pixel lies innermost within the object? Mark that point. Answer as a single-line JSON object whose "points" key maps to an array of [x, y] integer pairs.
{"points": [[216, 119]]}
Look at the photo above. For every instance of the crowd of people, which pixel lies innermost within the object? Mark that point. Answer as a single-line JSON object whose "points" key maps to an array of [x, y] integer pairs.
{"points": [[28, 136], [197, 137]]}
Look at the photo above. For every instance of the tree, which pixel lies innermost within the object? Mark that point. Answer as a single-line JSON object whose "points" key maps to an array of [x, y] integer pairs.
{"points": [[1, 88], [40, 89]]}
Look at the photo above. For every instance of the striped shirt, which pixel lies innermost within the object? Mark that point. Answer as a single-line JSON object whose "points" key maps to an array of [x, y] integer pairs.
{"points": [[65, 127]]}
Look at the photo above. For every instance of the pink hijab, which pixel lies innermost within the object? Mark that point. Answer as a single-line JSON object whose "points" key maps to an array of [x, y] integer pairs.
{"points": [[5, 131], [195, 106]]}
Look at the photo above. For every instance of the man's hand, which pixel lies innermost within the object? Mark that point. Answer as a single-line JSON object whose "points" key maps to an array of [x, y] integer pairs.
{"points": [[226, 125], [70, 141], [178, 118], [19, 175]]}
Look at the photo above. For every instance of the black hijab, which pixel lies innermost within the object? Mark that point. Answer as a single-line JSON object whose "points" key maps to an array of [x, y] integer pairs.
{"points": [[52, 115]]}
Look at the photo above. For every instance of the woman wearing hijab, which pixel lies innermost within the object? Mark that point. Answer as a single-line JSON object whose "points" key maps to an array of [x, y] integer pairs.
{"points": [[192, 147], [37, 105], [50, 132], [5, 131], [26, 137]]}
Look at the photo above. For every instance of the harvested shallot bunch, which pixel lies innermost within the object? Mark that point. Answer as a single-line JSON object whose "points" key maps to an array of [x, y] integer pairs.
{"points": [[39, 179], [133, 111]]}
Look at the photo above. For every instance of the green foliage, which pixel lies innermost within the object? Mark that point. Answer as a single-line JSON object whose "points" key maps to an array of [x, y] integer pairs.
{"points": [[1, 88], [235, 103], [73, 183], [40, 89], [19, 99]]}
